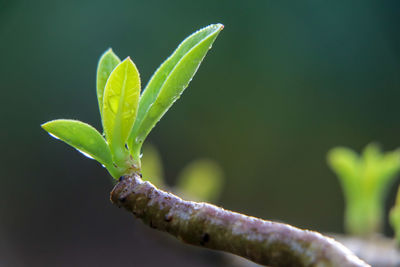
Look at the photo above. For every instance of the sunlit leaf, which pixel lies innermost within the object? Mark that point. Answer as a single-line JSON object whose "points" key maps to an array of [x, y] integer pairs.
{"points": [[201, 180], [169, 81], [107, 63], [121, 97], [82, 137]]}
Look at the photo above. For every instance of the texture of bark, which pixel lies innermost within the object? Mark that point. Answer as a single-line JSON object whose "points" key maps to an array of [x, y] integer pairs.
{"points": [[201, 224], [377, 250]]}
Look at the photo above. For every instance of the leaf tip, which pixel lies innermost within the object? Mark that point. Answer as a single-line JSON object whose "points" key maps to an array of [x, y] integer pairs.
{"points": [[108, 53], [128, 58], [217, 27], [45, 125]]}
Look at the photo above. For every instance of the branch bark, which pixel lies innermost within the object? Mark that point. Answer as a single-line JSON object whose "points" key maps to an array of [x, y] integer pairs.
{"points": [[377, 250], [206, 225]]}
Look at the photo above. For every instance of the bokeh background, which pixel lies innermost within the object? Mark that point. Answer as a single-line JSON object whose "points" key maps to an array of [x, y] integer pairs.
{"points": [[285, 82]]}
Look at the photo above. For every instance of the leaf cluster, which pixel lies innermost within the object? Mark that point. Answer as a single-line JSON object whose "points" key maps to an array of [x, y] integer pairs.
{"points": [[128, 115]]}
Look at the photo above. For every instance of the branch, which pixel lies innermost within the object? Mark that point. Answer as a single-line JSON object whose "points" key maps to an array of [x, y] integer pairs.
{"points": [[205, 225], [377, 250]]}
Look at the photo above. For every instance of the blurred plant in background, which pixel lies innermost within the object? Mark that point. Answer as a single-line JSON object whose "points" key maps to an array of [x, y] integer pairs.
{"points": [[365, 181], [200, 180], [394, 217]]}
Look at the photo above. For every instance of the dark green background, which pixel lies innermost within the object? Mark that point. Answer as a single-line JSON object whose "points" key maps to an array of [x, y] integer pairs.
{"points": [[285, 82]]}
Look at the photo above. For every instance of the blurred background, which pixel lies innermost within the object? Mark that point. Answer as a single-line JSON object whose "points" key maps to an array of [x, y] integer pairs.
{"points": [[285, 82]]}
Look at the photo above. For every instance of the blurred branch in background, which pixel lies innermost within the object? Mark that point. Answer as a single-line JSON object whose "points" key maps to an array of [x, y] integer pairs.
{"points": [[376, 250]]}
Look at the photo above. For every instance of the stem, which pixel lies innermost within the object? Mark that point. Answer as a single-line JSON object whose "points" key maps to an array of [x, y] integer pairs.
{"points": [[364, 214], [135, 148], [205, 225], [113, 171], [124, 165]]}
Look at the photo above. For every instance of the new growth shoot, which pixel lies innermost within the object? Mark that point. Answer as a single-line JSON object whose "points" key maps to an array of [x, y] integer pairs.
{"points": [[127, 115]]}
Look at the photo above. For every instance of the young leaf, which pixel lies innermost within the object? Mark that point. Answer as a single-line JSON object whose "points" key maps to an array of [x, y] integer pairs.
{"points": [[81, 136], [107, 63], [121, 97], [169, 81]]}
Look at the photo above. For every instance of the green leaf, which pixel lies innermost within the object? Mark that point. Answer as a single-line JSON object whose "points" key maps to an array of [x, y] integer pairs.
{"points": [[107, 63], [201, 180], [121, 97], [82, 137], [344, 161], [169, 81], [346, 164], [391, 164]]}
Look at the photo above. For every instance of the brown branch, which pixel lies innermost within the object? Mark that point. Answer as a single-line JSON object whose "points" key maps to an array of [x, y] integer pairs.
{"points": [[205, 225]]}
